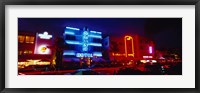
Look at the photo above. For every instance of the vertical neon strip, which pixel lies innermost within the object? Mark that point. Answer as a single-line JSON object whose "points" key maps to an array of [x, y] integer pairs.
{"points": [[150, 49], [126, 53], [85, 41], [132, 47], [125, 46]]}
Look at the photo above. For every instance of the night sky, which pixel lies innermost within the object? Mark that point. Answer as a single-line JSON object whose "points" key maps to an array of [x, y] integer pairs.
{"points": [[165, 32]]}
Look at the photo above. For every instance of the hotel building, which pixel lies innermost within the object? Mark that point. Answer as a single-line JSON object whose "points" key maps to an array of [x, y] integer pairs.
{"points": [[131, 48], [82, 43]]}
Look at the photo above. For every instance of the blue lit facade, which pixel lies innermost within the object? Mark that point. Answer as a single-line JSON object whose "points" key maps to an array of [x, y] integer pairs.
{"points": [[82, 43]]}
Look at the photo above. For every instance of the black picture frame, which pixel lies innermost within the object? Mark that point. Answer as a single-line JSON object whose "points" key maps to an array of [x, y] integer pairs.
{"points": [[3, 3]]}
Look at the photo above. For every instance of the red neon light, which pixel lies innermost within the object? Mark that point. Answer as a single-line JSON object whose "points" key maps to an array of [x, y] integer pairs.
{"points": [[125, 39]]}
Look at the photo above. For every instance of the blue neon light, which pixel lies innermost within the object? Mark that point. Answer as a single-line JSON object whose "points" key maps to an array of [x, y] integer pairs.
{"points": [[73, 42], [85, 41], [96, 36], [85, 38], [84, 55], [68, 53], [95, 44], [69, 33], [95, 32], [98, 32], [72, 28], [99, 54], [85, 33], [85, 47]]}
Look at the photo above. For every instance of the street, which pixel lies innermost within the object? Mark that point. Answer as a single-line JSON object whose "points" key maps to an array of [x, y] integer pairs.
{"points": [[142, 69]]}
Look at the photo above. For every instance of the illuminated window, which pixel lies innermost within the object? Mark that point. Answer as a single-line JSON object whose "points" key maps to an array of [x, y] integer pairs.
{"points": [[21, 39], [28, 52], [19, 52], [30, 39]]}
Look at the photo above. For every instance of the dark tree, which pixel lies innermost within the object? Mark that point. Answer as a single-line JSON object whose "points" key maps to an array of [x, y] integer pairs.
{"points": [[59, 46], [114, 47]]}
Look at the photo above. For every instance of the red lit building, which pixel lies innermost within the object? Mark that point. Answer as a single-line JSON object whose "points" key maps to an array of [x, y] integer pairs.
{"points": [[26, 50], [26, 43], [131, 48]]}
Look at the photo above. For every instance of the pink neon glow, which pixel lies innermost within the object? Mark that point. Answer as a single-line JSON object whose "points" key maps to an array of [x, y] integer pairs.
{"points": [[150, 49]]}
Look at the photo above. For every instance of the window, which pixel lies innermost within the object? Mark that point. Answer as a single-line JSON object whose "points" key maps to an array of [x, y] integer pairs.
{"points": [[21, 39], [30, 39], [69, 37], [19, 52], [71, 47], [97, 49], [96, 40], [28, 52]]}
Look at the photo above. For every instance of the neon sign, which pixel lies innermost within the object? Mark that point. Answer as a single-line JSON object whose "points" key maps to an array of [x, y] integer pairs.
{"points": [[84, 55], [95, 32], [85, 41], [72, 28], [95, 44], [147, 56], [96, 36], [43, 49], [98, 54], [150, 50], [73, 42], [132, 46], [45, 36], [70, 33]]}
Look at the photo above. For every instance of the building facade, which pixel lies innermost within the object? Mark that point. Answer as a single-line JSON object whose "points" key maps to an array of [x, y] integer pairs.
{"points": [[26, 43], [131, 48], [82, 43], [33, 49]]}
